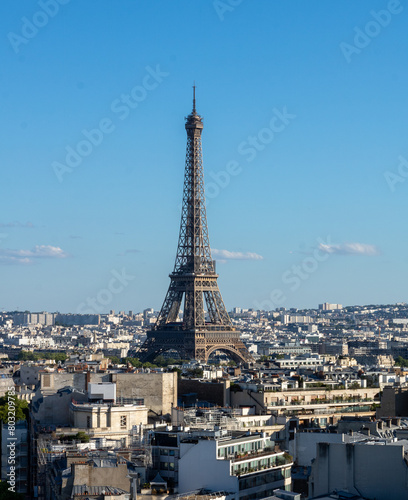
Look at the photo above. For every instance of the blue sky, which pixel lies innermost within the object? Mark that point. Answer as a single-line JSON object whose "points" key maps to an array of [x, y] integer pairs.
{"points": [[310, 210]]}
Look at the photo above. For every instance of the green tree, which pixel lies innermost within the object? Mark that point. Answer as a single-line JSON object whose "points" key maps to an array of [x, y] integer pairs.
{"points": [[27, 356], [6, 494], [133, 361], [82, 436], [19, 411], [114, 360], [60, 356], [160, 361], [195, 372], [400, 361], [35, 356], [149, 365]]}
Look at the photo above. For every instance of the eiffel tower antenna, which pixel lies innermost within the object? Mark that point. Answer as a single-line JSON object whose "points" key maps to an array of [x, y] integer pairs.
{"points": [[201, 331]]}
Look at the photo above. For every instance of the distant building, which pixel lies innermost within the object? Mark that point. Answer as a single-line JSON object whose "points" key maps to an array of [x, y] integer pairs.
{"points": [[291, 318], [268, 349], [27, 318], [330, 307], [302, 361], [77, 319], [335, 348], [51, 319]]}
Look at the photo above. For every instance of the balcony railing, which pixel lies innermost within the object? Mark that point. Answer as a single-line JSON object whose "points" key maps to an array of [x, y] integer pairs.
{"points": [[120, 402], [320, 402], [281, 460], [251, 455]]}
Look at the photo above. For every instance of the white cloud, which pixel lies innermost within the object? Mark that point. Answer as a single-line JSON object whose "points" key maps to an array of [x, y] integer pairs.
{"points": [[350, 249], [11, 256], [228, 255]]}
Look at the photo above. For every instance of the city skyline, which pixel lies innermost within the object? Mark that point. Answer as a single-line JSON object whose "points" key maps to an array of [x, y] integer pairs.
{"points": [[304, 151]]}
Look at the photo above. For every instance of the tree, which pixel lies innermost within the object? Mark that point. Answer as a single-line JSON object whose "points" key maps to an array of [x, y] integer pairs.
{"points": [[160, 361], [114, 360], [19, 411], [195, 372], [133, 361], [27, 356], [6, 494], [400, 361], [82, 436], [60, 356], [35, 356], [149, 365]]}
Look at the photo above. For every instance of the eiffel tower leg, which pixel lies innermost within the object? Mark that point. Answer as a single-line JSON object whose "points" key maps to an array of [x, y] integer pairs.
{"points": [[171, 306]]}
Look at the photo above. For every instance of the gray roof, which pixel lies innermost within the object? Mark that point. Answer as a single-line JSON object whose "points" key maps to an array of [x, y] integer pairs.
{"points": [[158, 480], [83, 489]]}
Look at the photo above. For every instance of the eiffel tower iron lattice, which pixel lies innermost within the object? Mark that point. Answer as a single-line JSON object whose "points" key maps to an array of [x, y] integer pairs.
{"points": [[194, 278]]}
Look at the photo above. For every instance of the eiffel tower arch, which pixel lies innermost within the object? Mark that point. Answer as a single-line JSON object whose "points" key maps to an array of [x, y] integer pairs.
{"points": [[193, 282]]}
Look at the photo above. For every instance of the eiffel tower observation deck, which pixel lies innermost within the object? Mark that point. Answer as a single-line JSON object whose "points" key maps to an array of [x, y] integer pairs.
{"points": [[194, 280]]}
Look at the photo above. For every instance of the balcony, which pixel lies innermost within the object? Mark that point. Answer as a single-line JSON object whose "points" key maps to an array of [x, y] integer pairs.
{"points": [[251, 455], [283, 459], [321, 403], [122, 402]]}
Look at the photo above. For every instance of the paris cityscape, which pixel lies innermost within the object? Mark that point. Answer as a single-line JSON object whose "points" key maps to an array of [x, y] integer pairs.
{"points": [[203, 266]]}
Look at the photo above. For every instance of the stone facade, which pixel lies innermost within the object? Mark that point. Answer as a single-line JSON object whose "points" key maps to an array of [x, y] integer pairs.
{"points": [[159, 390]]}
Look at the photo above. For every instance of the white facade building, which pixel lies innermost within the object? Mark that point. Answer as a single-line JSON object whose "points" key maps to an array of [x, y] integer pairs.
{"points": [[373, 469], [245, 467]]}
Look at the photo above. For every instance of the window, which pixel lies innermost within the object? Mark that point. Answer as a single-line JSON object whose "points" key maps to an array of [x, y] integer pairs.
{"points": [[88, 422], [123, 421]]}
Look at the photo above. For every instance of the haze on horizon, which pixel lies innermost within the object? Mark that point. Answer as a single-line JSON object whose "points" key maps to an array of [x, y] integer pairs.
{"points": [[304, 142]]}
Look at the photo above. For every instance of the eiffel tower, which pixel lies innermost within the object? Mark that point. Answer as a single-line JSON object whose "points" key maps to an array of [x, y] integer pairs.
{"points": [[194, 278]]}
